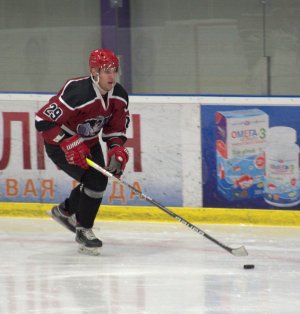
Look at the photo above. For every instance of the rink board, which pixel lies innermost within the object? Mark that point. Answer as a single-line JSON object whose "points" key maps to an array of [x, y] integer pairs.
{"points": [[153, 214], [171, 141]]}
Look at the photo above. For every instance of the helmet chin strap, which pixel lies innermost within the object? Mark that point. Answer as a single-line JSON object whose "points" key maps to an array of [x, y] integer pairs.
{"points": [[96, 82]]}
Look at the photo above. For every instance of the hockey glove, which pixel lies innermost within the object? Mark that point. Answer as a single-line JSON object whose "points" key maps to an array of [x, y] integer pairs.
{"points": [[75, 151], [117, 159]]}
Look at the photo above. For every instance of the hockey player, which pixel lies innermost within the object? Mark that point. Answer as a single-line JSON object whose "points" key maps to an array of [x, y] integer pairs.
{"points": [[70, 124]]}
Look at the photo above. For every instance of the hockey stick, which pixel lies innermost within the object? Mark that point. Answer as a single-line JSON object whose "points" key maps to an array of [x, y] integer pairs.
{"points": [[241, 251]]}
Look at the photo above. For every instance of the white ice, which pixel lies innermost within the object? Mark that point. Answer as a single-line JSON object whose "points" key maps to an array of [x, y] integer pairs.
{"points": [[148, 268]]}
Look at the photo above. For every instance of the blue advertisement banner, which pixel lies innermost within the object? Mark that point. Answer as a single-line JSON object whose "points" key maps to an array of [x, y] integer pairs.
{"points": [[250, 156]]}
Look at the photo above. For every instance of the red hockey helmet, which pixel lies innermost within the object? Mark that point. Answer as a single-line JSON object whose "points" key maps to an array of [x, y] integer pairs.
{"points": [[103, 58]]}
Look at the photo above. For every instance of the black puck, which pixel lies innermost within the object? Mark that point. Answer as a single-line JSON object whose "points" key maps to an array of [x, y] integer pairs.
{"points": [[249, 266]]}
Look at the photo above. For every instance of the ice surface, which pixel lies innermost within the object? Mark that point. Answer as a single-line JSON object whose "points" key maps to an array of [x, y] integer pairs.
{"points": [[148, 268]]}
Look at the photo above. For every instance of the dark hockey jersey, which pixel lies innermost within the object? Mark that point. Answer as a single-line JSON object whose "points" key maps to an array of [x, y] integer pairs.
{"points": [[79, 108]]}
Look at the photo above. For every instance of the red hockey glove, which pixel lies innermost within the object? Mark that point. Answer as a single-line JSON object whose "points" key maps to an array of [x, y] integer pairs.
{"points": [[75, 151], [117, 159]]}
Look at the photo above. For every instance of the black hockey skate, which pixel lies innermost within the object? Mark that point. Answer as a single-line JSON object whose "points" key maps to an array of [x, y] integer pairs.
{"points": [[63, 217], [88, 242]]}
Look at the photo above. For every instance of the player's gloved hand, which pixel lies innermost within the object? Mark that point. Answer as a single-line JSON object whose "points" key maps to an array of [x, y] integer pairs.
{"points": [[117, 159], [75, 151]]}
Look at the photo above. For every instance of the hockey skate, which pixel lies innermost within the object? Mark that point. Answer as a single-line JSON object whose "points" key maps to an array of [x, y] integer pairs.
{"points": [[59, 214], [88, 243]]}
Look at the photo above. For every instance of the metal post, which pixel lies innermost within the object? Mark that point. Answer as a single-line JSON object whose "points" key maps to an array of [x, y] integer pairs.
{"points": [[268, 58]]}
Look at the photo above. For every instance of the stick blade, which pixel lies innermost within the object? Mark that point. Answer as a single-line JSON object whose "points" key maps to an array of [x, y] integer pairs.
{"points": [[241, 251]]}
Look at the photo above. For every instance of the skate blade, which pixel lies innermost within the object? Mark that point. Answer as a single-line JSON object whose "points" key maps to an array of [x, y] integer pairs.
{"points": [[94, 251]]}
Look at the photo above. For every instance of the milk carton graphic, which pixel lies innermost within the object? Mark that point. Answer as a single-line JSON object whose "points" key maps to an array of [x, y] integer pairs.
{"points": [[240, 144]]}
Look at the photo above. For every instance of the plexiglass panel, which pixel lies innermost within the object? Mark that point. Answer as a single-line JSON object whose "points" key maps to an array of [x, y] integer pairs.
{"points": [[242, 47]]}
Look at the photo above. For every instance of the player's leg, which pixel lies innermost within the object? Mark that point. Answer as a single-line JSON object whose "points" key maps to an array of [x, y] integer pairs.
{"points": [[94, 186], [84, 200], [64, 213]]}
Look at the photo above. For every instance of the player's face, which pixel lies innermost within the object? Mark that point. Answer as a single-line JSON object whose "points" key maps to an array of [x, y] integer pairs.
{"points": [[107, 78]]}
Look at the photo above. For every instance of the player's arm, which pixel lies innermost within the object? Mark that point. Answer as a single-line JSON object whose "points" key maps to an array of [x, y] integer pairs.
{"points": [[48, 121], [114, 134]]}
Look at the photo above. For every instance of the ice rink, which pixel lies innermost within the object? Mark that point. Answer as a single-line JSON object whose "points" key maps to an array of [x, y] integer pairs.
{"points": [[148, 268]]}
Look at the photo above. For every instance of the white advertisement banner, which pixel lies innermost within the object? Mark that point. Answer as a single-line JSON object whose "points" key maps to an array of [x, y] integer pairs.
{"points": [[163, 142]]}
